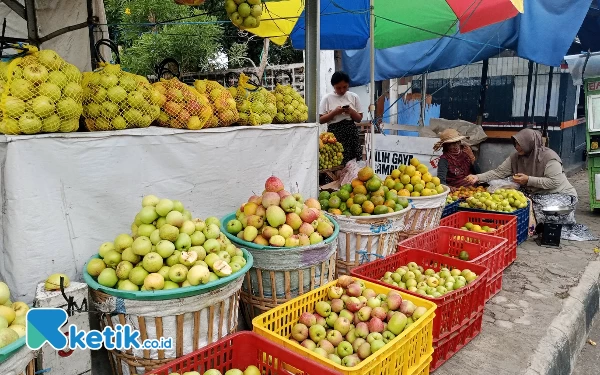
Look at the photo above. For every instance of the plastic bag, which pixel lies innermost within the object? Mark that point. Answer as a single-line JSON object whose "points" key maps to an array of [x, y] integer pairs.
{"points": [[502, 184], [114, 100], [225, 109], [41, 93], [290, 105], [183, 107], [255, 105]]}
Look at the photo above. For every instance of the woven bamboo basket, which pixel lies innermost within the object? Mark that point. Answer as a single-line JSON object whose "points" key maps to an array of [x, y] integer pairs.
{"points": [[425, 214], [192, 323], [278, 276], [366, 238]]}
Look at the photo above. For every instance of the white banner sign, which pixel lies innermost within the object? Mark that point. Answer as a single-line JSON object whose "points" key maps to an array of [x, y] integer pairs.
{"points": [[394, 150]]}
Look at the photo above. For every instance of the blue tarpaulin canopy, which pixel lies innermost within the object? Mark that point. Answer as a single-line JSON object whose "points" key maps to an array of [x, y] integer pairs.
{"points": [[543, 33]]}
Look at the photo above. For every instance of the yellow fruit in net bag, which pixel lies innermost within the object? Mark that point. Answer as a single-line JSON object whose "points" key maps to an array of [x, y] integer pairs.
{"points": [[182, 106], [40, 93], [255, 105], [225, 110], [289, 105], [116, 100]]}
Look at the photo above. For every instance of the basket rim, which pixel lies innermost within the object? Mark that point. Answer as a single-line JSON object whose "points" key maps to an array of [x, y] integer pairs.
{"points": [[373, 217], [10, 349], [161, 295], [401, 338], [253, 246]]}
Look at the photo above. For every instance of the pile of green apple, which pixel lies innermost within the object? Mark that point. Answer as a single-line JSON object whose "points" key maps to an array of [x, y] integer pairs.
{"points": [[43, 94], [166, 250], [503, 200], [250, 370], [278, 218], [12, 317], [116, 100], [429, 283], [354, 322]]}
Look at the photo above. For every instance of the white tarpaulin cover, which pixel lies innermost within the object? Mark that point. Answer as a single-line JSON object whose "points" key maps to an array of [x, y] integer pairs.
{"points": [[65, 194], [53, 15]]}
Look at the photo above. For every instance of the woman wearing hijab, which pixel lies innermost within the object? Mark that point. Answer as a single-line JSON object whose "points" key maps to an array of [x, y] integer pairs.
{"points": [[457, 160], [539, 171]]}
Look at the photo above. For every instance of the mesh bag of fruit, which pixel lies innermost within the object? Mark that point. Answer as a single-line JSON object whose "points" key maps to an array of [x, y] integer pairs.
{"points": [[245, 14], [116, 100], [41, 93], [255, 105], [331, 152], [182, 106], [225, 109], [290, 105]]}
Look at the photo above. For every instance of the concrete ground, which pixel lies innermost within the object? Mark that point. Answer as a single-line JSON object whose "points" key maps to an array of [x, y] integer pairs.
{"points": [[535, 288]]}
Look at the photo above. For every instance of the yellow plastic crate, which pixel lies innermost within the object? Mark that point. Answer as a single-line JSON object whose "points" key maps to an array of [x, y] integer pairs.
{"points": [[407, 354]]}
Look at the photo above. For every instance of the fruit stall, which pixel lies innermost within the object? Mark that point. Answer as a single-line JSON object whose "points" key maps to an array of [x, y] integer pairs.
{"points": [[231, 228]]}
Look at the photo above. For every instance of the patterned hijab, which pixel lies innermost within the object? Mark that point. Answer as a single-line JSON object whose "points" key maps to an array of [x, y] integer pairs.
{"points": [[533, 163]]}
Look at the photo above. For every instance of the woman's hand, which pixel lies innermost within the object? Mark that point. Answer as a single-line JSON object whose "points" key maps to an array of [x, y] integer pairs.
{"points": [[521, 179], [472, 179], [338, 111]]}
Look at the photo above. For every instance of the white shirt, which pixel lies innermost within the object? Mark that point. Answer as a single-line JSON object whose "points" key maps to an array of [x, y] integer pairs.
{"points": [[332, 101]]}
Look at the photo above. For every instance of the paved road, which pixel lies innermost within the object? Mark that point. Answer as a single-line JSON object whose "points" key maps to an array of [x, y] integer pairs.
{"points": [[588, 362]]}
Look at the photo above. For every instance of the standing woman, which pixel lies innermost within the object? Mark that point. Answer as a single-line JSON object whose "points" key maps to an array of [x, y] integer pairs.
{"points": [[341, 111]]}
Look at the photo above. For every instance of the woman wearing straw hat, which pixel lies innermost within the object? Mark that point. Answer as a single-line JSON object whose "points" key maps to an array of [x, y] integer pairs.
{"points": [[457, 160]]}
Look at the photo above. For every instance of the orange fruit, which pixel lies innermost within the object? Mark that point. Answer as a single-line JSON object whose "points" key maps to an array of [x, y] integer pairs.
{"points": [[349, 202], [396, 173], [360, 189], [377, 200], [415, 194], [368, 207], [414, 162], [390, 203], [365, 174], [404, 193], [405, 179], [356, 182], [435, 180], [409, 187], [427, 177], [410, 171]]}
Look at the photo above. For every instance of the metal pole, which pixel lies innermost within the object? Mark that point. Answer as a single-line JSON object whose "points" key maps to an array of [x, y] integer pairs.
{"points": [[529, 78], [372, 83], [313, 50], [393, 111], [483, 90], [423, 98], [32, 28], [534, 94], [548, 98]]}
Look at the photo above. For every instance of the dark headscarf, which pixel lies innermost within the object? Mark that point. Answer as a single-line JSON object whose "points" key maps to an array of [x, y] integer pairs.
{"points": [[533, 163]]}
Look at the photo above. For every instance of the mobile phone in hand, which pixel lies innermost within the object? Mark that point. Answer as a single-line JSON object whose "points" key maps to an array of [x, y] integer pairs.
{"points": [[346, 107]]}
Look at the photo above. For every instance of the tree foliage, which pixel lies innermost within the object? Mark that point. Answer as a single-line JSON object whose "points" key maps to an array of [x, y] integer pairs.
{"points": [[148, 31]]}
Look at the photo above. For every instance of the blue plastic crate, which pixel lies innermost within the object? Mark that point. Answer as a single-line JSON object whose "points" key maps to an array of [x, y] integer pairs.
{"points": [[522, 215], [451, 208]]}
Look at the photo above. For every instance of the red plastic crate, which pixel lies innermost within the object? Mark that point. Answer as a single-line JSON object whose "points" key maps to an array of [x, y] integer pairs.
{"points": [[483, 249], [494, 285], [446, 348], [492, 220], [241, 350], [453, 309]]}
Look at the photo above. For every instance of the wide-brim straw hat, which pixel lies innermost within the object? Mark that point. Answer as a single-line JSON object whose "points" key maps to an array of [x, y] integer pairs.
{"points": [[448, 136]]}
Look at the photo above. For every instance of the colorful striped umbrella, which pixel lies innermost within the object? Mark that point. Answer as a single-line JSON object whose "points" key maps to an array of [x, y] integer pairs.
{"points": [[397, 22]]}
